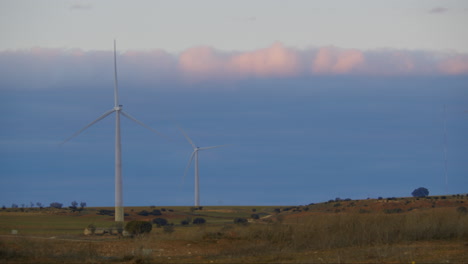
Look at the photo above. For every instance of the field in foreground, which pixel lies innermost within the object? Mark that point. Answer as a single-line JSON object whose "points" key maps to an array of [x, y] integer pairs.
{"points": [[403, 230]]}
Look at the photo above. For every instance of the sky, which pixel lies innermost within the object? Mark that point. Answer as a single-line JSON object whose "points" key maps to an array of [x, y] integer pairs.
{"points": [[314, 99]]}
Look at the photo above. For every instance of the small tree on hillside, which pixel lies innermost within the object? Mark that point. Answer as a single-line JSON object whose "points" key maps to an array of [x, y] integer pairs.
{"points": [[199, 221], [73, 206], [138, 227], [56, 205], [160, 222], [420, 192]]}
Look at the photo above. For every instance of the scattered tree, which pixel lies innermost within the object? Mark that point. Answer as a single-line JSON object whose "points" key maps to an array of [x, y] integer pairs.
{"points": [[199, 221], [160, 222], [138, 227], [73, 206], [83, 205], [143, 213], [462, 210], [240, 221], [39, 205], [168, 229], [56, 205], [420, 192], [14, 206], [156, 212]]}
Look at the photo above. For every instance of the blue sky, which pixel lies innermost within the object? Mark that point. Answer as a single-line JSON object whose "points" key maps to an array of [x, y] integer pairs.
{"points": [[316, 99]]}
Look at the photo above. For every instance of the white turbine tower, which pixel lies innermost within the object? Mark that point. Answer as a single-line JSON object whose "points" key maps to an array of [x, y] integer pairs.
{"points": [[195, 155], [119, 212]]}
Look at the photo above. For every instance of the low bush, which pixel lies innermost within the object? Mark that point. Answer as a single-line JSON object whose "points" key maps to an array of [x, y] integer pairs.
{"points": [[199, 221], [168, 229], [106, 212], [138, 227], [240, 221], [462, 210], [393, 211], [160, 222]]}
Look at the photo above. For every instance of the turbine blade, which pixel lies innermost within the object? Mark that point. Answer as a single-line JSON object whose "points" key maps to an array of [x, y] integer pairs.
{"points": [[116, 84], [213, 147], [188, 165], [187, 137], [90, 124], [144, 125]]}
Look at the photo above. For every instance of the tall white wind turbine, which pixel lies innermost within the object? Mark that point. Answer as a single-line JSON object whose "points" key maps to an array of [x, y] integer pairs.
{"points": [[195, 155], [119, 210]]}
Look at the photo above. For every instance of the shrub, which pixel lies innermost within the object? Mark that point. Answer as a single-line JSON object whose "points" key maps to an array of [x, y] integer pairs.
{"points": [[168, 229], [106, 212], [199, 221], [184, 222], [240, 221], [255, 216], [160, 222], [393, 211], [56, 205], [462, 210], [143, 213], [138, 227], [156, 212], [420, 192]]}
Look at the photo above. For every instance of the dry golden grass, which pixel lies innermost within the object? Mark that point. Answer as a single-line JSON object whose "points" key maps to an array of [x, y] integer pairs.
{"points": [[428, 235]]}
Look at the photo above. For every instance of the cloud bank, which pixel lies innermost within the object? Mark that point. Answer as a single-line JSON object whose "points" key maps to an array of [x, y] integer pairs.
{"points": [[204, 63]]}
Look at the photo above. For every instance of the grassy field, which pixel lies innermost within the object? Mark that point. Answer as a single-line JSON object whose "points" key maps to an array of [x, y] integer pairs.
{"points": [[403, 230]]}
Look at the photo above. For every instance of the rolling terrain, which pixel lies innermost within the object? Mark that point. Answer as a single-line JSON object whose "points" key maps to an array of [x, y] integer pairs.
{"points": [[385, 230]]}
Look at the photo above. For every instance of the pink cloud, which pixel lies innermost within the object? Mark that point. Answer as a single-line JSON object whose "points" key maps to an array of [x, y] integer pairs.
{"points": [[206, 62], [330, 60], [200, 64], [455, 65], [276, 60]]}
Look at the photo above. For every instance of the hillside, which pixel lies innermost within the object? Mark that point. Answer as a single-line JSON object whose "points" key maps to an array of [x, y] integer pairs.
{"points": [[393, 230]]}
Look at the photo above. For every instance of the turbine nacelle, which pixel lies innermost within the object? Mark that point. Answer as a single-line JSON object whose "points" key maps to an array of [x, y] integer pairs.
{"points": [[118, 108]]}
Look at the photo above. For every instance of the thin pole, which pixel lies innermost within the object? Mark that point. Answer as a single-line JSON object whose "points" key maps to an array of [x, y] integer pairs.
{"points": [[445, 150], [197, 195], [119, 212]]}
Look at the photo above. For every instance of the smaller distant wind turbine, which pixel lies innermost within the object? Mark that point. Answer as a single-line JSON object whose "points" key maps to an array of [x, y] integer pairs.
{"points": [[195, 155]]}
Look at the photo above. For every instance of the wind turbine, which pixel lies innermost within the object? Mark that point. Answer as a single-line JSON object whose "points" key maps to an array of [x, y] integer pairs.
{"points": [[195, 155], [119, 212]]}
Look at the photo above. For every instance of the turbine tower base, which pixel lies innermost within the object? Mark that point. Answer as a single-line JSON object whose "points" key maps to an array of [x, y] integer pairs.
{"points": [[119, 214]]}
